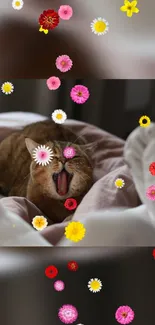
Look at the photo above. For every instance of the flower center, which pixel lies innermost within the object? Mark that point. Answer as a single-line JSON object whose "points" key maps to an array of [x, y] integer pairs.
{"points": [[95, 285], [65, 12], [63, 63], [144, 121], [17, 3], [153, 192], [129, 8], [124, 314], [50, 19], [75, 231], [100, 26], [79, 93], [59, 116]]}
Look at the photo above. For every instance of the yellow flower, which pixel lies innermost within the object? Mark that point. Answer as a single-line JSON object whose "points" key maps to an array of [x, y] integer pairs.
{"points": [[130, 8], [144, 121], [95, 285], [39, 222], [43, 30], [7, 88], [75, 231], [119, 183]]}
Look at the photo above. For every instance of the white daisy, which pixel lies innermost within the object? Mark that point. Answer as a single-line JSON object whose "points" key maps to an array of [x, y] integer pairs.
{"points": [[42, 155], [119, 183], [99, 26], [95, 285], [7, 88], [17, 4], [39, 223], [59, 116]]}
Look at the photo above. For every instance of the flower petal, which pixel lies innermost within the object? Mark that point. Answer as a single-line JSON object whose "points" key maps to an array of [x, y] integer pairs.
{"points": [[133, 4], [135, 10], [129, 13], [123, 8]]}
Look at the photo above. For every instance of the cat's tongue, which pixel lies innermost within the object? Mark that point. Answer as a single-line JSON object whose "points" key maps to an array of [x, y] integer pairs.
{"points": [[62, 183]]}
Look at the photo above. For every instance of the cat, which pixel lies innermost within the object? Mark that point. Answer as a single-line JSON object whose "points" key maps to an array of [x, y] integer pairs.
{"points": [[21, 176]]}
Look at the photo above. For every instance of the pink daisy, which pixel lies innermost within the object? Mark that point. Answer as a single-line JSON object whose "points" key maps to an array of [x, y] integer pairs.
{"points": [[124, 315], [59, 285], [65, 12], [79, 94], [53, 83], [42, 155], [63, 63], [69, 152], [150, 192], [68, 314]]}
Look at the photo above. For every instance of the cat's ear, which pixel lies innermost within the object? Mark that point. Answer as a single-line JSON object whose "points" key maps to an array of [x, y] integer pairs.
{"points": [[31, 145]]}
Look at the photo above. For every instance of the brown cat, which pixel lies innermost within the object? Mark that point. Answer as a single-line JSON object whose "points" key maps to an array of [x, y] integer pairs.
{"points": [[46, 186]]}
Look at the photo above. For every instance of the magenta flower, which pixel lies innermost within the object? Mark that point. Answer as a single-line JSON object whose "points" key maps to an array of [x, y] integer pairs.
{"points": [[63, 63], [124, 315], [150, 192], [59, 285], [69, 152], [65, 12], [79, 94], [53, 83], [68, 314]]}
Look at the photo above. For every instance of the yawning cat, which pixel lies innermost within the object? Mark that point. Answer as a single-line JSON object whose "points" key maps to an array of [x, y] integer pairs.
{"points": [[46, 186]]}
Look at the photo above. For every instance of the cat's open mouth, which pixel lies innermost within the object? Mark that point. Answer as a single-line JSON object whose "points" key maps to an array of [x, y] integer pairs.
{"points": [[62, 181]]}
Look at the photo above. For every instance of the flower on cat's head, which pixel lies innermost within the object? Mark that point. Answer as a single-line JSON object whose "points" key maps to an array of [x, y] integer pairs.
{"points": [[49, 19], [75, 231], [69, 152], [70, 204], [42, 155], [59, 116], [79, 94], [39, 223]]}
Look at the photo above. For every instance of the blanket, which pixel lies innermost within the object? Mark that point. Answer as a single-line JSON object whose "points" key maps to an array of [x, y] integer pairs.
{"points": [[109, 164]]}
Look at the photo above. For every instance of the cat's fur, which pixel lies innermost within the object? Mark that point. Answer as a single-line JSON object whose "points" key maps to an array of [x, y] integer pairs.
{"points": [[21, 176]]}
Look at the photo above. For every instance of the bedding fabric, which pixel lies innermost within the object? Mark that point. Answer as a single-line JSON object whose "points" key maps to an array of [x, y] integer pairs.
{"points": [[109, 165]]}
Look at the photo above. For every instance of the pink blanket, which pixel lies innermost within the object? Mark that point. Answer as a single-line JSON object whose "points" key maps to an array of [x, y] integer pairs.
{"points": [[109, 165]]}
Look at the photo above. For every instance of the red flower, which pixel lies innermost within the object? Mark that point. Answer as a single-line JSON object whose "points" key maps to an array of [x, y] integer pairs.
{"points": [[49, 19], [51, 271], [70, 204], [72, 266], [153, 253], [152, 168]]}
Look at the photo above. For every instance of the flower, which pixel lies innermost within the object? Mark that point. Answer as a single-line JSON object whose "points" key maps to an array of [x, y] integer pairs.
{"points": [[49, 19], [75, 231], [95, 285], [69, 152], [68, 314], [152, 168], [153, 253], [59, 285], [72, 266], [65, 12], [124, 315], [150, 192], [39, 222], [119, 183], [63, 63], [99, 26], [70, 204], [144, 121], [51, 271], [42, 155], [79, 94], [130, 8], [43, 30], [59, 116], [53, 83], [17, 4], [7, 88]]}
